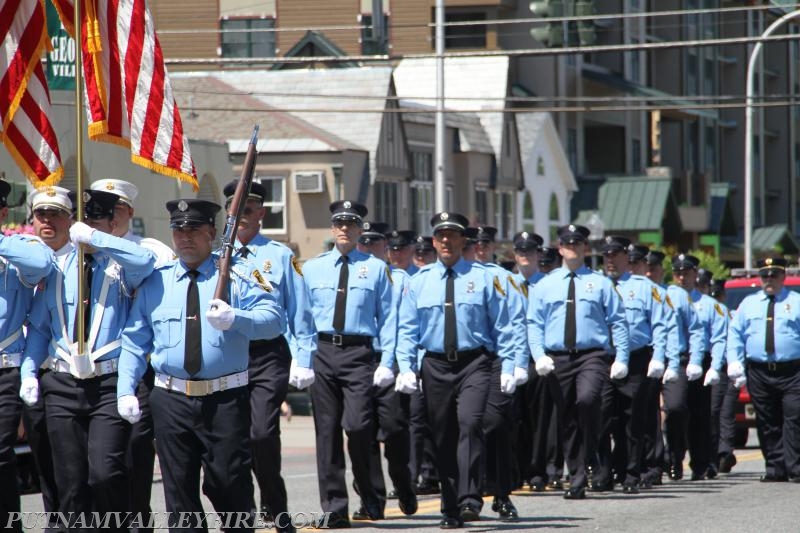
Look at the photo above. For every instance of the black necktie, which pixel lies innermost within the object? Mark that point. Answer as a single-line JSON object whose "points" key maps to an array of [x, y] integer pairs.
{"points": [[570, 328], [244, 251], [450, 333], [194, 337], [340, 309], [769, 344], [85, 305]]}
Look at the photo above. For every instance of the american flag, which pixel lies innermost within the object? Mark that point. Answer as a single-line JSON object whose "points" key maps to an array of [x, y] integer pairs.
{"points": [[24, 99], [129, 98]]}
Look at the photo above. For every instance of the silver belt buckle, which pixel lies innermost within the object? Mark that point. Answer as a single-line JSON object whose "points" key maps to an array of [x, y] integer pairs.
{"points": [[336, 340], [6, 361], [452, 357]]}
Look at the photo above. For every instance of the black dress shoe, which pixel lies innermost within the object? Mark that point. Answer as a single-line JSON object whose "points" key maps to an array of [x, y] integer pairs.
{"points": [[555, 484], [408, 504], [645, 483], [711, 472], [675, 472], [575, 493], [772, 478], [470, 514], [630, 488], [361, 514], [392, 495], [427, 486], [726, 463], [697, 476], [332, 521], [266, 514], [537, 485], [451, 522], [601, 487], [506, 509]]}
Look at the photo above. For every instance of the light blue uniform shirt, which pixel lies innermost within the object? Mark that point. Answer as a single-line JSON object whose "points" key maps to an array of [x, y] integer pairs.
{"points": [[280, 271], [132, 265], [411, 270], [715, 325], [598, 309], [688, 335], [369, 296], [481, 314], [157, 324], [747, 334], [648, 316], [400, 280], [24, 262]]}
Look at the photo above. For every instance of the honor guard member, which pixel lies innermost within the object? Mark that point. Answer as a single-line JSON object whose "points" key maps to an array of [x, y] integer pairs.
{"points": [[200, 402], [52, 216], [763, 345], [498, 418], [579, 356], [549, 259], [401, 250], [24, 262], [424, 252], [649, 322], [271, 369], [88, 439], [541, 446], [724, 396], [141, 450], [655, 267], [457, 312], [391, 408], [690, 342], [351, 299]]}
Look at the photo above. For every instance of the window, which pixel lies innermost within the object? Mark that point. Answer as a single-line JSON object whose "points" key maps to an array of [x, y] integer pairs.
{"points": [[387, 202], [553, 215], [423, 166], [240, 40], [467, 36], [481, 206], [540, 166], [528, 220], [504, 214], [421, 206], [275, 202], [373, 43]]}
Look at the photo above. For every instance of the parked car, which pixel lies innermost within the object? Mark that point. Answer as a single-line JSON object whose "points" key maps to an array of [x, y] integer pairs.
{"points": [[742, 284]]}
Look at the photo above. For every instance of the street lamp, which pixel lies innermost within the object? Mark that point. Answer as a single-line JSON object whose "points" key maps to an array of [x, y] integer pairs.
{"points": [[596, 228]]}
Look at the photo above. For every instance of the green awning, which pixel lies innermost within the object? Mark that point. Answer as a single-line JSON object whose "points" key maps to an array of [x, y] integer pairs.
{"points": [[774, 238], [633, 204]]}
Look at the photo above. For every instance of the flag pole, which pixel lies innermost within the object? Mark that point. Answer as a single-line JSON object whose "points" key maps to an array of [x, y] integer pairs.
{"points": [[80, 324]]}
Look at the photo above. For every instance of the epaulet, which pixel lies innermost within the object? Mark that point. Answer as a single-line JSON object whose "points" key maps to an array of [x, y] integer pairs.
{"points": [[513, 283], [656, 295], [296, 265], [389, 275], [668, 302], [524, 289], [498, 287], [719, 310]]}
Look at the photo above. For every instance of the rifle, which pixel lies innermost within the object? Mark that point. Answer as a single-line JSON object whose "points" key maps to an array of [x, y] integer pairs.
{"points": [[235, 211]]}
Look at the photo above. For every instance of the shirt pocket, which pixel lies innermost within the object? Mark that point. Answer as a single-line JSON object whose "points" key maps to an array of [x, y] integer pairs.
{"points": [[361, 300], [168, 326], [471, 311], [323, 297], [590, 308]]}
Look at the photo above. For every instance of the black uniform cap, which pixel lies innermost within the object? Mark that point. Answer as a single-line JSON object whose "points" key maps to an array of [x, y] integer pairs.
{"points": [[191, 212], [99, 204], [424, 245], [485, 233], [716, 287], [615, 243], [525, 240], [573, 233], [400, 238], [373, 231], [685, 262], [347, 210], [257, 191], [704, 276], [637, 252], [771, 264], [446, 220], [548, 255], [655, 257]]}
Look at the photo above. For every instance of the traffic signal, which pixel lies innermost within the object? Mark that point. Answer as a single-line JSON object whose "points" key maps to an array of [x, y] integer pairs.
{"points": [[551, 34], [586, 34]]}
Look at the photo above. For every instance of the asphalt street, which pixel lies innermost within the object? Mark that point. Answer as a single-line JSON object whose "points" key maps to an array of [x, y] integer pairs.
{"points": [[731, 503]]}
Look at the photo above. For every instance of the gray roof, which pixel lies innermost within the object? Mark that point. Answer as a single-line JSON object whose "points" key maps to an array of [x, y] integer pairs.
{"points": [[529, 127], [471, 135]]}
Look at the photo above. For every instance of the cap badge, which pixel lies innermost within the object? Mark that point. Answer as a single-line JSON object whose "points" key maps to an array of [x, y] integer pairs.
{"points": [[444, 216], [571, 227], [50, 191], [681, 257], [609, 240], [110, 186], [768, 261], [347, 204], [630, 248], [182, 205], [395, 234], [366, 226], [524, 235], [420, 239], [86, 196]]}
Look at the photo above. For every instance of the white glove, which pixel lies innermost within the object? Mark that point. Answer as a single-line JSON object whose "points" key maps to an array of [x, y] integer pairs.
{"points": [[670, 376], [740, 382], [383, 376], [545, 365], [29, 390], [507, 383], [655, 369], [299, 377], [80, 233], [712, 377], [735, 370], [128, 408], [693, 371], [406, 383], [619, 370], [520, 375], [220, 315]]}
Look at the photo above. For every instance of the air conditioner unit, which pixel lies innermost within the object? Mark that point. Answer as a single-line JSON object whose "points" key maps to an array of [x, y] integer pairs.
{"points": [[308, 181]]}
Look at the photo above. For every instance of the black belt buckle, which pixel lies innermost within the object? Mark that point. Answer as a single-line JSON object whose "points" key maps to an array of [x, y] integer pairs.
{"points": [[772, 366], [452, 357], [336, 339]]}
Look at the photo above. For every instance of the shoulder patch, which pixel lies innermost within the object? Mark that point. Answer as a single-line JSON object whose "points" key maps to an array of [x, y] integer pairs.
{"points": [[264, 284], [616, 288], [718, 309], [498, 287], [656, 295], [389, 275], [668, 302], [513, 283], [524, 289], [296, 266]]}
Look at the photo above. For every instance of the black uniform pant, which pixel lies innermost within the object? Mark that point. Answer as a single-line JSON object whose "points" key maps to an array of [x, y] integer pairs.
{"points": [[209, 432], [35, 423], [653, 461], [422, 458], [10, 412], [580, 378], [776, 400], [498, 432], [90, 443], [456, 394], [269, 382], [724, 397], [687, 407], [545, 456], [391, 426], [625, 413], [342, 399], [142, 456]]}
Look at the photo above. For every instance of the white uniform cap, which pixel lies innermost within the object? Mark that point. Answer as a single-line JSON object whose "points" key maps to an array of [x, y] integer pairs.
{"points": [[126, 191], [52, 197]]}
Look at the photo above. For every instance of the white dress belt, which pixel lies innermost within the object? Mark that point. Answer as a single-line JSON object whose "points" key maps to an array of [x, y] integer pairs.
{"points": [[201, 387]]}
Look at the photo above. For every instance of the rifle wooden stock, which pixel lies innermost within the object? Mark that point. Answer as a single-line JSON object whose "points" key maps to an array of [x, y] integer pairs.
{"points": [[238, 203]]}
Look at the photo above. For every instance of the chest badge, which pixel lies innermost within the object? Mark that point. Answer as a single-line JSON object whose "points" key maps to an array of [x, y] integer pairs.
{"points": [[631, 295], [362, 272], [267, 266], [590, 287], [787, 308], [470, 287]]}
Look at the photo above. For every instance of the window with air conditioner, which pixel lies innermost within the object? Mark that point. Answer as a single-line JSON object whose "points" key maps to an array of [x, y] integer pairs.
{"points": [[274, 220], [309, 181]]}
